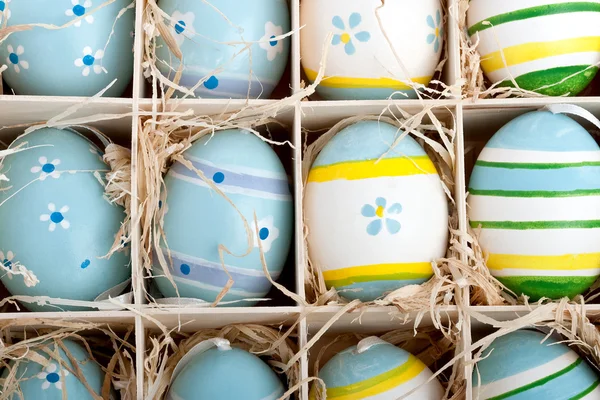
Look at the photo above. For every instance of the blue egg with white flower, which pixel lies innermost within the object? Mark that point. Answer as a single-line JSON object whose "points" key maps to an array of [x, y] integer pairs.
{"points": [[58, 377], [227, 176], [56, 222], [80, 59], [231, 49]]}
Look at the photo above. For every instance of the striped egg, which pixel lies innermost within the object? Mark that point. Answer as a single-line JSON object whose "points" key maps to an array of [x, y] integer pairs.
{"points": [[198, 220], [525, 365], [376, 216], [535, 193], [548, 46], [377, 370]]}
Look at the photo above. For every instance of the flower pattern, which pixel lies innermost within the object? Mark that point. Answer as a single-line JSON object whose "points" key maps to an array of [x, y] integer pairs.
{"points": [[5, 10], [89, 61], [46, 169], [51, 377], [56, 217], [346, 36], [267, 42], [95, 150], [436, 36], [78, 10], [6, 260], [14, 58], [379, 213], [267, 233], [183, 26]]}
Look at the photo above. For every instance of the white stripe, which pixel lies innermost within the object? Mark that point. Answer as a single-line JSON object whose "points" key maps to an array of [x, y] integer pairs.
{"points": [[521, 379], [536, 156], [432, 390], [232, 189], [494, 208], [593, 395], [544, 272], [205, 286], [239, 169], [540, 242]]}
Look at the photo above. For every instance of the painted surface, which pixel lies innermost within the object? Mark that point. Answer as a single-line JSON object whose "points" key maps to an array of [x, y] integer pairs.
{"points": [[374, 225], [535, 192], [538, 43]]}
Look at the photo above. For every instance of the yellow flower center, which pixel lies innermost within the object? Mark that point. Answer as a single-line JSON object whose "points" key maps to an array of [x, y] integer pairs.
{"points": [[379, 212], [437, 32], [345, 38]]}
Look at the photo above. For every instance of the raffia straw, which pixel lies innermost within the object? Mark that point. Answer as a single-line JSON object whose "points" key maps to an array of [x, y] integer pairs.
{"points": [[115, 352], [165, 352]]}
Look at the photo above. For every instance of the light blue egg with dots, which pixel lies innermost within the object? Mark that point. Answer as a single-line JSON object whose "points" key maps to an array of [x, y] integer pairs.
{"points": [[56, 221], [197, 219]]}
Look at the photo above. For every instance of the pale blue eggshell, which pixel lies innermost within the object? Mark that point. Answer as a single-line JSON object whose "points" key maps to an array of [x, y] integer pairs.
{"points": [[529, 366], [46, 383], [231, 374], [206, 39], [198, 219], [73, 61], [57, 223]]}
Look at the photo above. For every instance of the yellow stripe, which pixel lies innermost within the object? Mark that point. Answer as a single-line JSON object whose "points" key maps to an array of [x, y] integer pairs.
{"points": [[570, 262], [341, 82], [380, 383], [374, 270], [352, 170], [536, 50]]}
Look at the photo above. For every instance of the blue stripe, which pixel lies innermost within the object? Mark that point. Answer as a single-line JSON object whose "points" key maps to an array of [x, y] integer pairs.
{"points": [[564, 179], [229, 178], [372, 290]]}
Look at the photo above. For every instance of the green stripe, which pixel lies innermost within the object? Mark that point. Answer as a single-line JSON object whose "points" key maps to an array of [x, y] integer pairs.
{"points": [[537, 383], [532, 12], [559, 81], [535, 193], [512, 165], [586, 391], [373, 278], [552, 287], [522, 225]]}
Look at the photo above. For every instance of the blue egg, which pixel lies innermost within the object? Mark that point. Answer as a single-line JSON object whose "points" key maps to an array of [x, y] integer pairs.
{"points": [[50, 382], [225, 373], [211, 37], [79, 60], [197, 219], [56, 221], [519, 365]]}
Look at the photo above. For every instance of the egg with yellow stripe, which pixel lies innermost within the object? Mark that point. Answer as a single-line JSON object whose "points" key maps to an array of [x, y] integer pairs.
{"points": [[377, 370], [376, 211], [548, 46]]}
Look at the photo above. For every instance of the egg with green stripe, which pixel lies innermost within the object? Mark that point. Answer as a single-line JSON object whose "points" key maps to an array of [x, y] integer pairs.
{"points": [[376, 211], [377, 370], [535, 196], [525, 365], [548, 46]]}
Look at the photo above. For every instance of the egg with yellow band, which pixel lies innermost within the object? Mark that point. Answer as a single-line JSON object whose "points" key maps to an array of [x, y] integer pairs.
{"points": [[376, 211]]}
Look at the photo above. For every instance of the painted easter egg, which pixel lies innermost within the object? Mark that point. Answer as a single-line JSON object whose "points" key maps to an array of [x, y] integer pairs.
{"points": [[535, 193], [56, 221], [547, 46], [377, 370], [367, 44], [78, 60], [198, 219], [526, 365], [216, 370], [231, 49], [376, 216], [54, 380]]}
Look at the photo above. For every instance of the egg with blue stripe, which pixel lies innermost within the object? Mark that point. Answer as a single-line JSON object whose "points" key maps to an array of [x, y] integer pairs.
{"points": [[525, 365], [377, 370], [197, 219], [535, 196], [376, 212]]}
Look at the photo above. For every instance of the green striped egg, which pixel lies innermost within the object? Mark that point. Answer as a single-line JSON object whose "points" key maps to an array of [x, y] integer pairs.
{"points": [[535, 195], [548, 46], [519, 366]]}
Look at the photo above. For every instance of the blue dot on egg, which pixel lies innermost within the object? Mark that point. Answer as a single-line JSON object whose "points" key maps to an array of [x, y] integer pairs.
{"points": [[48, 168], [185, 269], [88, 60], [7, 263], [273, 43], [53, 377], [78, 10], [85, 264], [14, 58], [263, 233], [2, 5], [160, 204], [218, 177], [211, 83], [56, 217], [180, 27]]}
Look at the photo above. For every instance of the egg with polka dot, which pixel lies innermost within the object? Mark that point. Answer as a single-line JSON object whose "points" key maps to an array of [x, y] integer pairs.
{"points": [[57, 378], [56, 221], [198, 219]]}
